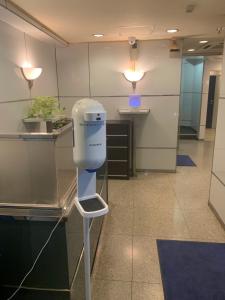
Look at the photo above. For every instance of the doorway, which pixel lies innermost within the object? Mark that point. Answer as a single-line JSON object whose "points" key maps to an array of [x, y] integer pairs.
{"points": [[212, 106], [191, 95]]}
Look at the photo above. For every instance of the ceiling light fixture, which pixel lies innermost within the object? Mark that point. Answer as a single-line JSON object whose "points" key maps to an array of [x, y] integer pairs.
{"points": [[191, 50], [30, 74], [98, 35], [172, 30], [203, 42]]}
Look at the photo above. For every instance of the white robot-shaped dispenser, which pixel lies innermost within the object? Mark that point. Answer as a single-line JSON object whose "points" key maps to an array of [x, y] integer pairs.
{"points": [[89, 154]]}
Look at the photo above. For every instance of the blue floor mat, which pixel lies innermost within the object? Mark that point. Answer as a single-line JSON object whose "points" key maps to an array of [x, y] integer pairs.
{"points": [[185, 161], [192, 270]]}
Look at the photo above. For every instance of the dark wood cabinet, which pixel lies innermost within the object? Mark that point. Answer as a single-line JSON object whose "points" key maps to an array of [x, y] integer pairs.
{"points": [[120, 149]]}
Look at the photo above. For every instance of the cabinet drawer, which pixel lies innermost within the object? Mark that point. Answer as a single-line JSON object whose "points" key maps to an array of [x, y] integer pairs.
{"points": [[118, 168], [117, 153], [116, 140], [117, 129]]}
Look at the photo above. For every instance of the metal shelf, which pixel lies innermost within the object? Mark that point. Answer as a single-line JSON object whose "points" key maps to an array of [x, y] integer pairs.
{"points": [[139, 111]]}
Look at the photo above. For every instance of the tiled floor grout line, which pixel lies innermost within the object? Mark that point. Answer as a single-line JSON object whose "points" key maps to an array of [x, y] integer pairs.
{"points": [[181, 210], [127, 281], [114, 280]]}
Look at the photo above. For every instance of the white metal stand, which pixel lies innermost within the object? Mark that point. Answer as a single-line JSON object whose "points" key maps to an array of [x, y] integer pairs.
{"points": [[89, 153], [86, 194], [87, 260]]}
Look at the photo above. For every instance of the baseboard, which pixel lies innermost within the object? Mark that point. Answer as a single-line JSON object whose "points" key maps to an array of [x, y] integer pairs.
{"points": [[216, 215], [156, 170]]}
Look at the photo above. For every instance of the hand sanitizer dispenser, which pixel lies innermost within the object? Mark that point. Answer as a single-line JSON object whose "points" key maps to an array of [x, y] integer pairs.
{"points": [[89, 154], [89, 119]]}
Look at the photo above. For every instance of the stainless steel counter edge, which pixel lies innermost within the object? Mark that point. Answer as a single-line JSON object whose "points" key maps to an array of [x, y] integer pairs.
{"points": [[41, 212], [35, 135]]}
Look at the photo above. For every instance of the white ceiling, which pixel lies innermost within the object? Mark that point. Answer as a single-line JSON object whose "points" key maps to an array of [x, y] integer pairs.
{"points": [[77, 20], [213, 47]]}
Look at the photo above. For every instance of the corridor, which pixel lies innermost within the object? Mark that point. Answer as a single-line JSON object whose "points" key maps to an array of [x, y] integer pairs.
{"points": [[149, 207]]}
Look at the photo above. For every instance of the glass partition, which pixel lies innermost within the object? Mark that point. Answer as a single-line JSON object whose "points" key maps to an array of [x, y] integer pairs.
{"points": [[191, 96]]}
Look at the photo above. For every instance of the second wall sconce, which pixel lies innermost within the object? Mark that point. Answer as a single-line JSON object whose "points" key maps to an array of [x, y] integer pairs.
{"points": [[30, 74], [133, 75]]}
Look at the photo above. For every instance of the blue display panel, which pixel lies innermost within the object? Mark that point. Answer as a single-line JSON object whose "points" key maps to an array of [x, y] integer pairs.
{"points": [[135, 101]]}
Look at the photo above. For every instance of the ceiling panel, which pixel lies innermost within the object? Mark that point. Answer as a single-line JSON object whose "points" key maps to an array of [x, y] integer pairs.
{"points": [[77, 20]]}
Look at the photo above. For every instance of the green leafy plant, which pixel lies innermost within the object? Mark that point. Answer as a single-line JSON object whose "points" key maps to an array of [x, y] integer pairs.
{"points": [[45, 108]]}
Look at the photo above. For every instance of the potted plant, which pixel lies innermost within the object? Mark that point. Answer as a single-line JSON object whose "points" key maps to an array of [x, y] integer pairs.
{"points": [[44, 110]]}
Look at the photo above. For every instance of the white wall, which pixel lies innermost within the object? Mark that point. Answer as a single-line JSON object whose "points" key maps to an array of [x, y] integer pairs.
{"points": [[213, 65], [96, 70], [217, 191], [15, 49]]}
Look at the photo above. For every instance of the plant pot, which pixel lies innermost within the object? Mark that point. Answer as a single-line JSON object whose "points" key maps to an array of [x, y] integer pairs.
{"points": [[38, 125], [43, 127]]}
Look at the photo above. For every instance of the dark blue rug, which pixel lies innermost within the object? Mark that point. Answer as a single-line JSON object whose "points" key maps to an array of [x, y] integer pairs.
{"points": [[185, 161], [192, 270]]}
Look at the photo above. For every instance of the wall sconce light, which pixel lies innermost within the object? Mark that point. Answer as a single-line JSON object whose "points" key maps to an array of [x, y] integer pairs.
{"points": [[30, 74], [133, 76]]}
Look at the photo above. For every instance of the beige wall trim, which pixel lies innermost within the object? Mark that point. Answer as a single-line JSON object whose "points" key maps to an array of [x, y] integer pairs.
{"points": [[20, 100], [218, 178], [122, 96], [216, 215], [157, 170], [166, 148]]}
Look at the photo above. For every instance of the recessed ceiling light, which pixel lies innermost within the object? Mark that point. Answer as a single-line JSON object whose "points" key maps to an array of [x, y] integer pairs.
{"points": [[203, 42], [191, 50], [172, 30], [98, 35]]}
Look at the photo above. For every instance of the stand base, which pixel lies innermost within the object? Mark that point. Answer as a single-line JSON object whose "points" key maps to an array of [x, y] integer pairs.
{"points": [[91, 206]]}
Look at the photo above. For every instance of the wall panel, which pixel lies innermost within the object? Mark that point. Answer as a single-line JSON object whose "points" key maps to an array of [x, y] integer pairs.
{"points": [[43, 55], [160, 89], [109, 60], [217, 190], [154, 132], [73, 72], [12, 56], [156, 159], [16, 49]]}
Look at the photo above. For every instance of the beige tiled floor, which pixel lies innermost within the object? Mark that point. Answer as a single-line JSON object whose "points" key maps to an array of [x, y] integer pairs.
{"points": [[151, 206]]}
